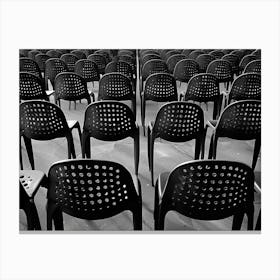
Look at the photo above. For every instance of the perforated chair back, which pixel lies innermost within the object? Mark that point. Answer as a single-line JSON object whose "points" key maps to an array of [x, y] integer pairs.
{"points": [[218, 54], [245, 60], [203, 61], [79, 54], [246, 86], [104, 53], [41, 59], [70, 60], [209, 190], [173, 60], [195, 54], [126, 52], [100, 61], [120, 67], [253, 67], [148, 57], [185, 69], [31, 87], [54, 53], [70, 86], [171, 53], [30, 66], [234, 62], [221, 69], [87, 69], [153, 66]]}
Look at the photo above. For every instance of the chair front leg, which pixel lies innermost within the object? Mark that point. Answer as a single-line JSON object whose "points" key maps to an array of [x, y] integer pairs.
{"points": [[256, 152], [29, 150], [71, 147], [152, 142], [85, 145], [197, 147], [136, 150], [143, 111]]}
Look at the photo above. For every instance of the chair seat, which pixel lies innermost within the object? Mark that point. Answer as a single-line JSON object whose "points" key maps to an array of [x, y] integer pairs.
{"points": [[72, 123], [31, 180]]}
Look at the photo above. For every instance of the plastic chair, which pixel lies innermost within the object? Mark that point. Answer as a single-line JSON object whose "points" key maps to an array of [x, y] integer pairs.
{"points": [[206, 190], [30, 66], [31, 87], [104, 53], [148, 57], [234, 62], [185, 69], [126, 52], [176, 122], [240, 120], [120, 67], [194, 54], [79, 54], [29, 183], [245, 60], [171, 53], [253, 67], [186, 52], [70, 86], [70, 59], [104, 190], [257, 53], [42, 120], [110, 121], [203, 61], [54, 53], [100, 61], [116, 86], [131, 61], [173, 60], [41, 59], [218, 54], [33, 53], [204, 88]]}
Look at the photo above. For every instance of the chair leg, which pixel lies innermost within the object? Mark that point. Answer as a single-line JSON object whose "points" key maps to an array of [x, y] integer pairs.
{"points": [[159, 223], [29, 150], [80, 133], [149, 146], [20, 154], [143, 109], [69, 105], [85, 145], [256, 152], [152, 143], [71, 148], [215, 143], [133, 105], [54, 214], [197, 147], [237, 221], [258, 224], [136, 152], [137, 218], [210, 154], [203, 136]]}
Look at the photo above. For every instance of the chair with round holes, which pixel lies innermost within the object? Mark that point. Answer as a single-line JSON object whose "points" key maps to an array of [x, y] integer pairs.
{"points": [[70, 86], [29, 65], [206, 190], [41, 59], [173, 60], [31, 87], [222, 70], [100, 61], [194, 54], [203, 61], [171, 53], [204, 88], [149, 56], [185, 69], [104, 53], [110, 121], [33, 53], [177, 121], [234, 62], [240, 120], [29, 183], [159, 87], [79, 54], [70, 59], [218, 54], [92, 190], [54, 66], [42, 120], [253, 67], [245, 60]]}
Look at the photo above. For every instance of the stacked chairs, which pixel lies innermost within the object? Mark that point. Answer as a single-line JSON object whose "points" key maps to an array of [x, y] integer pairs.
{"points": [[234, 62], [173, 60], [245, 60], [206, 190], [79, 54], [240, 120], [195, 54], [116, 86], [110, 121], [70, 59], [100, 61], [41, 59], [176, 122], [30, 66], [218, 54], [203, 61], [253, 67], [54, 53], [91, 190]]}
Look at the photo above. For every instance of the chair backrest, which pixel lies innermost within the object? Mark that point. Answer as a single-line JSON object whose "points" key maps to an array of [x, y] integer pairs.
{"points": [[221, 69], [87, 69], [31, 87], [109, 121], [42, 120], [100, 61], [194, 54], [126, 52], [257, 53], [218, 54], [245, 60], [239, 53], [253, 67], [153, 66], [240, 120], [185, 69], [150, 56], [160, 87], [246, 86], [70, 59], [145, 52], [209, 189], [233, 60], [79, 54], [70, 86], [120, 67], [54, 66], [179, 121], [186, 52], [202, 88], [54, 53], [29, 65], [173, 60], [24, 52], [33, 53], [41, 59], [92, 189], [171, 53], [203, 61], [104, 53], [115, 86]]}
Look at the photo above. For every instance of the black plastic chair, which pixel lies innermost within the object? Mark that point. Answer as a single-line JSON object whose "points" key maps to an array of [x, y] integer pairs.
{"points": [[104, 53], [91, 190], [54, 53], [149, 56], [245, 60], [171, 53], [30, 66], [126, 52], [177, 122], [203, 61], [194, 54], [100, 61], [70, 86], [218, 54], [159, 87], [206, 190], [234, 62], [173, 60], [238, 53], [186, 52], [131, 61], [33, 53], [110, 121], [253, 67], [31, 87], [79, 54], [204, 88], [41, 59], [42, 120], [70, 59], [185, 69], [240, 120]]}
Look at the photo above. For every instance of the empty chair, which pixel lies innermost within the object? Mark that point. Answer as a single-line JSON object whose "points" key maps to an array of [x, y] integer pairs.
{"points": [[126, 52], [110, 121], [104, 53], [33, 53], [116, 86], [239, 53], [148, 57], [70, 86], [173, 60], [203, 61], [195, 54], [70, 59], [253, 67], [79, 54], [206, 190], [218, 54], [54, 53], [159, 87], [42, 120], [100, 61], [31, 87], [234, 62], [91, 190], [245, 60], [131, 61], [240, 120], [30, 66], [185, 69], [41, 59], [176, 122], [171, 53], [204, 88], [120, 67]]}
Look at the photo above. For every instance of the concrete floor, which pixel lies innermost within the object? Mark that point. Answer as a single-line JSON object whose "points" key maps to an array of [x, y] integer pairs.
{"points": [[167, 156]]}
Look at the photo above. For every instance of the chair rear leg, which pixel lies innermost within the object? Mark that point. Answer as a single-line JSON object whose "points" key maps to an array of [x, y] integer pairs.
{"points": [[256, 152], [29, 150], [152, 143], [197, 148], [237, 221]]}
